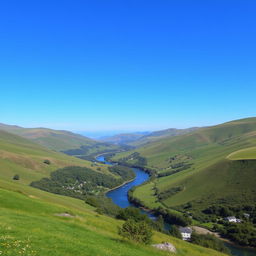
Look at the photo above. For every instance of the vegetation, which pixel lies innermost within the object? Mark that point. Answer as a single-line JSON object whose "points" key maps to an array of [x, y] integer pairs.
{"points": [[131, 213], [124, 172], [77, 182], [16, 177], [174, 231], [46, 161], [103, 205], [137, 231], [242, 233], [209, 241]]}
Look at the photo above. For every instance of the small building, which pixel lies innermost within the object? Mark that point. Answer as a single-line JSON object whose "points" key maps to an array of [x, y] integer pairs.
{"points": [[232, 219], [185, 233]]}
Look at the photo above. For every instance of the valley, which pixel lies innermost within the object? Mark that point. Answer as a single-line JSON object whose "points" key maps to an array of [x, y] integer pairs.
{"points": [[194, 175]]}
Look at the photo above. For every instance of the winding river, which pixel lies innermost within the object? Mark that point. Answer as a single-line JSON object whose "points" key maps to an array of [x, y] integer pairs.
{"points": [[120, 197]]}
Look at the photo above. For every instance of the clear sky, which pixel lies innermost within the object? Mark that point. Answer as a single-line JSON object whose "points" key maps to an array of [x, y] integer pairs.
{"points": [[126, 64]]}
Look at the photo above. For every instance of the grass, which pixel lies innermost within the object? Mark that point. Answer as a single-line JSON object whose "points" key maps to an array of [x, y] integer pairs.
{"points": [[247, 153], [30, 222]]}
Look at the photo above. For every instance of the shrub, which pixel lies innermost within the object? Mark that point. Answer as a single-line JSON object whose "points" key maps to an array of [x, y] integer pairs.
{"points": [[139, 232], [174, 231], [16, 177], [131, 213], [209, 241], [46, 161]]}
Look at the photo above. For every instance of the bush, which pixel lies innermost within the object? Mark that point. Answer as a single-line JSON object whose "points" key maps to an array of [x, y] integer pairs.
{"points": [[46, 161], [131, 213], [103, 204], [174, 231], [139, 232], [209, 241], [16, 177]]}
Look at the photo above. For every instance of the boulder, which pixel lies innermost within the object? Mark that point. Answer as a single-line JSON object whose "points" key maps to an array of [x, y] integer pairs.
{"points": [[165, 247]]}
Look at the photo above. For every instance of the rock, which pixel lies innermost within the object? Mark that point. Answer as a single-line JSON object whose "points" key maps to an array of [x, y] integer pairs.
{"points": [[165, 247], [65, 214]]}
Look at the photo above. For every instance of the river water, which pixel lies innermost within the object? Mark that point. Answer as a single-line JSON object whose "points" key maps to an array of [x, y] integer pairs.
{"points": [[120, 197]]}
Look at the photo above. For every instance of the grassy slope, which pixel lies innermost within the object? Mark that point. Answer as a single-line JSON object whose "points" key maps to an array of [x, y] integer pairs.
{"points": [[58, 140], [28, 221], [247, 153], [155, 136], [207, 148], [53, 139], [23, 157]]}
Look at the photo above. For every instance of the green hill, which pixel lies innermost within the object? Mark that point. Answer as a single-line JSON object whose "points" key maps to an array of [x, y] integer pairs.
{"points": [[124, 138], [155, 136], [62, 141], [34, 222], [197, 167], [27, 159]]}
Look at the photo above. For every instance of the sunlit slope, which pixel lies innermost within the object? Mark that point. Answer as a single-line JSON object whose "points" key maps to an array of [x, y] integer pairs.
{"points": [[247, 153], [207, 152], [25, 158], [157, 135], [30, 219], [54, 139]]}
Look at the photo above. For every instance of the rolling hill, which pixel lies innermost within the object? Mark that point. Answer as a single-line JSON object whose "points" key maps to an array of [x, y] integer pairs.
{"points": [[35, 222], [124, 138], [154, 136], [202, 167], [27, 159], [62, 141]]}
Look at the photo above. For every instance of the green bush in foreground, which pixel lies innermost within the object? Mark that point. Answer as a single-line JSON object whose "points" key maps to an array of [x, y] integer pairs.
{"points": [[139, 232]]}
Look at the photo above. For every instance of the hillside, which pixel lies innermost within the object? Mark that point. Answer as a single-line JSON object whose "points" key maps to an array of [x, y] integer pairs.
{"points": [[27, 159], [124, 138], [199, 167], [35, 222], [62, 141], [154, 136]]}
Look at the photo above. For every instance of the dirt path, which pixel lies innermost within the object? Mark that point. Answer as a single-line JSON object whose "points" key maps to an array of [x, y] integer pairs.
{"points": [[204, 231]]}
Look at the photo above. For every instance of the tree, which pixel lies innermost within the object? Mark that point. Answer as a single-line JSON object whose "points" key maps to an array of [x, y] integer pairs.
{"points": [[174, 231], [16, 177], [139, 232], [131, 213]]}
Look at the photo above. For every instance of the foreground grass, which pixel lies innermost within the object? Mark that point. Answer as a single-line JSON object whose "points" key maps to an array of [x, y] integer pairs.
{"points": [[29, 225]]}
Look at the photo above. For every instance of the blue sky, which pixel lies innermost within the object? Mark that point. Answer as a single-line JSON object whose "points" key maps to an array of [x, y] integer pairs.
{"points": [[126, 65]]}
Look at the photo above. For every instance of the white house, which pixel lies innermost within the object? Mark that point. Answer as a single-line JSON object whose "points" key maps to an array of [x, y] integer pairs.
{"points": [[185, 233], [232, 219]]}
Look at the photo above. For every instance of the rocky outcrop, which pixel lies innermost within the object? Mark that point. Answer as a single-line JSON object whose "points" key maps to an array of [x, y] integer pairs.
{"points": [[165, 247]]}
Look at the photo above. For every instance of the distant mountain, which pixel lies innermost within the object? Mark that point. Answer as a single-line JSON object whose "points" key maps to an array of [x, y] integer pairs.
{"points": [[138, 139], [124, 138], [153, 136], [62, 141], [54, 139]]}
